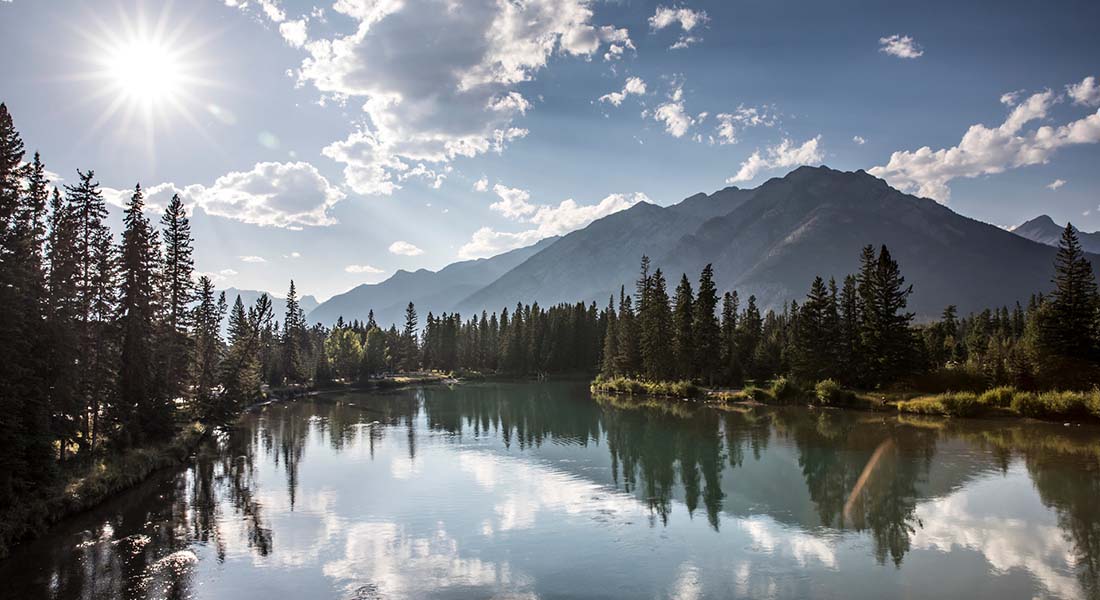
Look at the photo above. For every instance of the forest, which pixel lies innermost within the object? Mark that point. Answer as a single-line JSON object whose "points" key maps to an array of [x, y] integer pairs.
{"points": [[113, 343]]}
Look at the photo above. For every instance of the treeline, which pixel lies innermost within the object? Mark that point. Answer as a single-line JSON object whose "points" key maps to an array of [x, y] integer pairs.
{"points": [[105, 344], [858, 333]]}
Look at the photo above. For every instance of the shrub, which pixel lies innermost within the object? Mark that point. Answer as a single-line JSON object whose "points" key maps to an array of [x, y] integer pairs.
{"points": [[829, 393], [1000, 397], [1027, 404], [784, 390], [961, 404]]}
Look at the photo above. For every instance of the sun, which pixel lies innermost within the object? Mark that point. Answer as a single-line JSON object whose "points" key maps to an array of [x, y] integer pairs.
{"points": [[145, 71]]}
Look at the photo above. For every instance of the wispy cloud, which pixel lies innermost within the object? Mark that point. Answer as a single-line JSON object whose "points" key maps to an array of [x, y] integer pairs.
{"points": [[783, 155], [901, 46], [404, 248]]}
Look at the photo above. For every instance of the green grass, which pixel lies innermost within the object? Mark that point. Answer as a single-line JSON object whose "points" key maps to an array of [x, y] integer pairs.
{"points": [[637, 387], [1054, 405]]}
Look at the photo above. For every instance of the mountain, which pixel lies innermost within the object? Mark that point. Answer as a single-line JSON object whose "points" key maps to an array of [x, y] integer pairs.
{"points": [[770, 241], [773, 240], [591, 263], [435, 291], [1044, 230]]}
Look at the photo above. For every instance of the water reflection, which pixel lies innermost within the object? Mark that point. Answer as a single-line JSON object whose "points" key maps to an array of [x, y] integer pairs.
{"points": [[538, 490]]}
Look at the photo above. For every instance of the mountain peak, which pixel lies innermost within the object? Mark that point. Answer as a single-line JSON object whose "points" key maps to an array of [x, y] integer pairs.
{"points": [[1040, 221]]}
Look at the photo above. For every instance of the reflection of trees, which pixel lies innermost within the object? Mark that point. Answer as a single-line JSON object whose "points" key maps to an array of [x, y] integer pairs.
{"points": [[1064, 465], [837, 448]]}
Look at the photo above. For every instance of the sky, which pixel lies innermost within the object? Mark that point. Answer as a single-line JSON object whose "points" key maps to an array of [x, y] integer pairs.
{"points": [[337, 141]]}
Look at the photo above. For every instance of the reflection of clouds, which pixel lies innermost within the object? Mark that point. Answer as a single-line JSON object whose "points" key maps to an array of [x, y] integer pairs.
{"points": [[531, 488], [399, 565], [687, 585], [300, 535], [1020, 535], [772, 538], [403, 467]]}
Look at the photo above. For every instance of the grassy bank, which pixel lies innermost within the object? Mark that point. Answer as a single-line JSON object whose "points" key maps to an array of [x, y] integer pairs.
{"points": [[86, 485], [996, 402], [1001, 401], [637, 387]]}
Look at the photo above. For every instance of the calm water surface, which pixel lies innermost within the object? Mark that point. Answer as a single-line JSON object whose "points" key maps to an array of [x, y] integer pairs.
{"points": [[541, 491]]}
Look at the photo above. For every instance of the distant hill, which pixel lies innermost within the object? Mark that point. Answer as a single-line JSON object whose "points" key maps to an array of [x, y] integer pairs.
{"points": [[1044, 230], [435, 291], [770, 241]]}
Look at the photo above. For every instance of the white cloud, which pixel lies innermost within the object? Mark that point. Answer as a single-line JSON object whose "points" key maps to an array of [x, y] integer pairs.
{"points": [[294, 255], [685, 17], [362, 269], [252, 259], [1057, 183], [672, 114], [404, 248], [729, 124], [633, 85], [513, 202], [1010, 98], [901, 46], [858, 139], [1086, 93], [987, 151], [547, 220], [295, 32], [783, 155], [482, 184], [217, 277], [455, 97]]}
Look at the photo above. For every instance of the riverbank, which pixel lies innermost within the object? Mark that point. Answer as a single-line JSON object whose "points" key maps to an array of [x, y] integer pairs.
{"points": [[85, 485], [995, 402]]}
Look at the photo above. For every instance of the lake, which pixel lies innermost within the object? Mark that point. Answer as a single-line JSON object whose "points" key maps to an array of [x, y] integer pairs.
{"points": [[539, 490]]}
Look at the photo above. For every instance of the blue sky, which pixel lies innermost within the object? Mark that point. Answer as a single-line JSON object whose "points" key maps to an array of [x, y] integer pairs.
{"points": [[335, 141]]}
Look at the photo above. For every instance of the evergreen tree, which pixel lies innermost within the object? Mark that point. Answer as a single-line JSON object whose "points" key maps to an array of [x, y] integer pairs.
{"points": [[708, 343], [1068, 326], [294, 339], [178, 292], [410, 352], [683, 338], [749, 332], [628, 362], [814, 357], [885, 337], [207, 317], [731, 368], [142, 410], [609, 365], [656, 330]]}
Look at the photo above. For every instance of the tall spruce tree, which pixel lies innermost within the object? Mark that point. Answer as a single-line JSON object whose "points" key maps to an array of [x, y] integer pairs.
{"points": [[885, 337], [294, 338], [209, 347], [815, 339], [705, 328], [178, 291], [656, 330], [142, 410], [1068, 327], [683, 338]]}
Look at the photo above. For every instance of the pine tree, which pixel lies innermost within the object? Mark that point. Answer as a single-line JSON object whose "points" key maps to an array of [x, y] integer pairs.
{"points": [[142, 411], [628, 362], [609, 364], [683, 338], [705, 328], [410, 351], [656, 330], [885, 336], [95, 286], [730, 365], [207, 317], [294, 338], [178, 290], [749, 332], [815, 340], [1068, 327]]}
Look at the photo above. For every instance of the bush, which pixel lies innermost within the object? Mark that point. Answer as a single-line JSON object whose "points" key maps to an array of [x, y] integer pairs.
{"points": [[784, 390], [1000, 397], [626, 385], [953, 404], [828, 392]]}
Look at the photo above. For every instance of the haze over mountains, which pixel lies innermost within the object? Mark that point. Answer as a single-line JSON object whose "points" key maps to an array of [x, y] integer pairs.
{"points": [[1044, 230], [770, 241]]}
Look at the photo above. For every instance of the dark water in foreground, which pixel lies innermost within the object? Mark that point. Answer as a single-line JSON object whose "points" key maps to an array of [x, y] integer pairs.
{"points": [[540, 491]]}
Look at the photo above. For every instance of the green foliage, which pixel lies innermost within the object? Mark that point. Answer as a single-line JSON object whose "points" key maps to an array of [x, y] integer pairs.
{"points": [[785, 390], [1000, 397], [635, 387], [829, 392]]}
